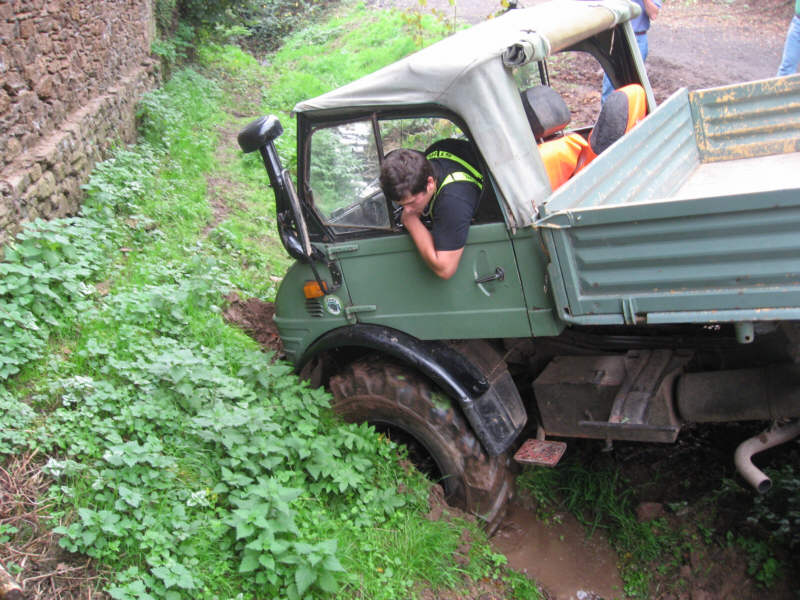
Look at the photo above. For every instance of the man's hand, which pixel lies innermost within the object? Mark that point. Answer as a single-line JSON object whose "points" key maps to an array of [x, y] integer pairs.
{"points": [[442, 262], [410, 211]]}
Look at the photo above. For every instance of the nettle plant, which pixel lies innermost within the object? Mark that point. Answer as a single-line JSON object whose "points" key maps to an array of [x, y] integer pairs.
{"points": [[240, 477], [43, 284], [175, 446], [184, 460]]}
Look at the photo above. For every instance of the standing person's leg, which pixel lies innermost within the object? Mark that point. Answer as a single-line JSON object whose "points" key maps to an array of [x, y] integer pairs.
{"points": [[791, 49], [607, 88], [641, 41]]}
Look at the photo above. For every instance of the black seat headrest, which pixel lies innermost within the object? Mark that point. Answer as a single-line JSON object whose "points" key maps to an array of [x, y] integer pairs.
{"points": [[546, 111]]}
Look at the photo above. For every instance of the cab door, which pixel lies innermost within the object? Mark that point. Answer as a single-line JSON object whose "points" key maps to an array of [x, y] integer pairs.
{"points": [[391, 285], [387, 280]]}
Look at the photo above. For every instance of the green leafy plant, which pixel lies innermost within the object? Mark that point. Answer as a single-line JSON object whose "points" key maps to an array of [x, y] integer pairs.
{"points": [[761, 563], [185, 461]]}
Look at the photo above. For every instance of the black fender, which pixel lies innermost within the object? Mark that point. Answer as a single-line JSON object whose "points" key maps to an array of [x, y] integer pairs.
{"points": [[493, 408]]}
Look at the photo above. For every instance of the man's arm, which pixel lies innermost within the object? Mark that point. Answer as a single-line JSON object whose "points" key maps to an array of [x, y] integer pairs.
{"points": [[651, 8], [442, 262]]}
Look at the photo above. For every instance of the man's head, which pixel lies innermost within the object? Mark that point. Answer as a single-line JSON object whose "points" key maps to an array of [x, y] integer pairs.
{"points": [[407, 177]]}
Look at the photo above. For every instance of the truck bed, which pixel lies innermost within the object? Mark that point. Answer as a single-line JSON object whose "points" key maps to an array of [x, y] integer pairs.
{"points": [[742, 176], [691, 217]]}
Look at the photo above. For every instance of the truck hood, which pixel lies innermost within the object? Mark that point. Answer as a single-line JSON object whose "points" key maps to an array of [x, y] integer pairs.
{"points": [[470, 74]]}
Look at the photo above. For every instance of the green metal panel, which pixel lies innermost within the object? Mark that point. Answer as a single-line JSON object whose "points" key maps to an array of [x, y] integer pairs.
{"points": [[735, 254], [301, 321], [629, 244], [747, 120], [391, 284], [528, 247]]}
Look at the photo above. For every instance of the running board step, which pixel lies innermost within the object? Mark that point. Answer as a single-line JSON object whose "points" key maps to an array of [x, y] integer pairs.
{"points": [[542, 453]]}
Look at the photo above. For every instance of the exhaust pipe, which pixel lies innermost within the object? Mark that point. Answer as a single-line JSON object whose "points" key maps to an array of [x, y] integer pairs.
{"points": [[743, 457]]}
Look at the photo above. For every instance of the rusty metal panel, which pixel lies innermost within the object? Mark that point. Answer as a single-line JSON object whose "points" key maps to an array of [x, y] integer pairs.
{"points": [[747, 120]]}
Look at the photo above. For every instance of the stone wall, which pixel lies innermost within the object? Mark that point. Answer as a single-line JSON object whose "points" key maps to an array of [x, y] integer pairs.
{"points": [[71, 72]]}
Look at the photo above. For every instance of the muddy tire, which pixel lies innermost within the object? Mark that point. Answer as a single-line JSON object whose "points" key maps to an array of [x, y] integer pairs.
{"points": [[398, 400]]}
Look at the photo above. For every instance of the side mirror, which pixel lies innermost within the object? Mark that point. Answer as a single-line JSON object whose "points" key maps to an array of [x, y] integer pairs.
{"points": [[259, 133]]}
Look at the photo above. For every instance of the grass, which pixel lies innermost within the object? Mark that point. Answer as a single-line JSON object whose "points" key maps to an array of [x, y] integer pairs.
{"points": [[183, 461]]}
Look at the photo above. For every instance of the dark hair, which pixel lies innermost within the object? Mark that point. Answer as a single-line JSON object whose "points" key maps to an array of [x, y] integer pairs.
{"points": [[404, 172]]}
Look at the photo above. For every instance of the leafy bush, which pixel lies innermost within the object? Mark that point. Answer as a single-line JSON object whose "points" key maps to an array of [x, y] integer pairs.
{"points": [[269, 22], [42, 284], [778, 512], [185, 461]]}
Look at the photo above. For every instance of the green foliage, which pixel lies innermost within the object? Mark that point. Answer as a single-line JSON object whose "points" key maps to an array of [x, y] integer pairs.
{"points": [[185, 461], [415, 17], [772, 527], [268, 22], [164, 12], [207, 14], [16, 423], [42, 284], [175, 48], [261, 24], [778, 512], [168, 116], [761, 562]]}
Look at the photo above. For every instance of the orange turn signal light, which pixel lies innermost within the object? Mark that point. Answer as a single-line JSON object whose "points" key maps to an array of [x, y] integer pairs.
{"points": [[312, 289]]}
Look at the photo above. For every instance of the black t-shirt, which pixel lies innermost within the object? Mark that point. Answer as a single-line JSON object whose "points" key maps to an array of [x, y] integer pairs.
{"points": [[456, 203]]}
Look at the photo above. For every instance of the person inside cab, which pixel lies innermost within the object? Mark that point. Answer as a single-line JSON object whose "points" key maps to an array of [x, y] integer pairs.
{"points": [[444, 184]]}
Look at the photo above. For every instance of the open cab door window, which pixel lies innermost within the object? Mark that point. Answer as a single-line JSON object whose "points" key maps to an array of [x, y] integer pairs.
{"points": [[343, 178], [344, 167]]}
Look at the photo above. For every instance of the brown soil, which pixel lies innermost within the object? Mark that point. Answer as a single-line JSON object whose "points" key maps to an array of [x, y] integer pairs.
{"points": [[254, 317], [39, 566]]}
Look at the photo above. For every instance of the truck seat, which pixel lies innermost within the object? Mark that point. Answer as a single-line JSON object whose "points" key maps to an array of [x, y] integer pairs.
{"points": [[548, 116], [623, 109]]}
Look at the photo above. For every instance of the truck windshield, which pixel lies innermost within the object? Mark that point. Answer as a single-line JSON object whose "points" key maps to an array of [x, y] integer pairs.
{"points": [[343, 177]]}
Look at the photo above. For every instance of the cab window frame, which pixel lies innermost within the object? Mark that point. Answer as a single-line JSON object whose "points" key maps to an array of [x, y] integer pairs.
{"points": [[319, 229]]}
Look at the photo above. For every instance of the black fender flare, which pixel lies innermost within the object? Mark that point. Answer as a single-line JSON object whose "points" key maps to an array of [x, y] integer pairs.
{"points": [[496, 416]]}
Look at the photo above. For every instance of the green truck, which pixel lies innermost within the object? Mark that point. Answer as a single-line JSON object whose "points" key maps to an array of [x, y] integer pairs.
{"points": [[658, 286]]}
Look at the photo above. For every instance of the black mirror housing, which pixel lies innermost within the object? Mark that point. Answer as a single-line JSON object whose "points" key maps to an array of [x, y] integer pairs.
{"points": [[259, 133]]}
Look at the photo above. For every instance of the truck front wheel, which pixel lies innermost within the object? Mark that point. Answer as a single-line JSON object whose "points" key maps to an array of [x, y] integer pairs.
{"points": [[408, 408]]}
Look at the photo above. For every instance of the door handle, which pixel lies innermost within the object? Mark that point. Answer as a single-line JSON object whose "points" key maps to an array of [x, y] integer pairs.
{"points": [[498, 275]]}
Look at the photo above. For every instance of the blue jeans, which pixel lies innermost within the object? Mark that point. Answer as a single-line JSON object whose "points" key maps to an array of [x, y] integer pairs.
{"points": [[791, 49], [641, 41]]}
